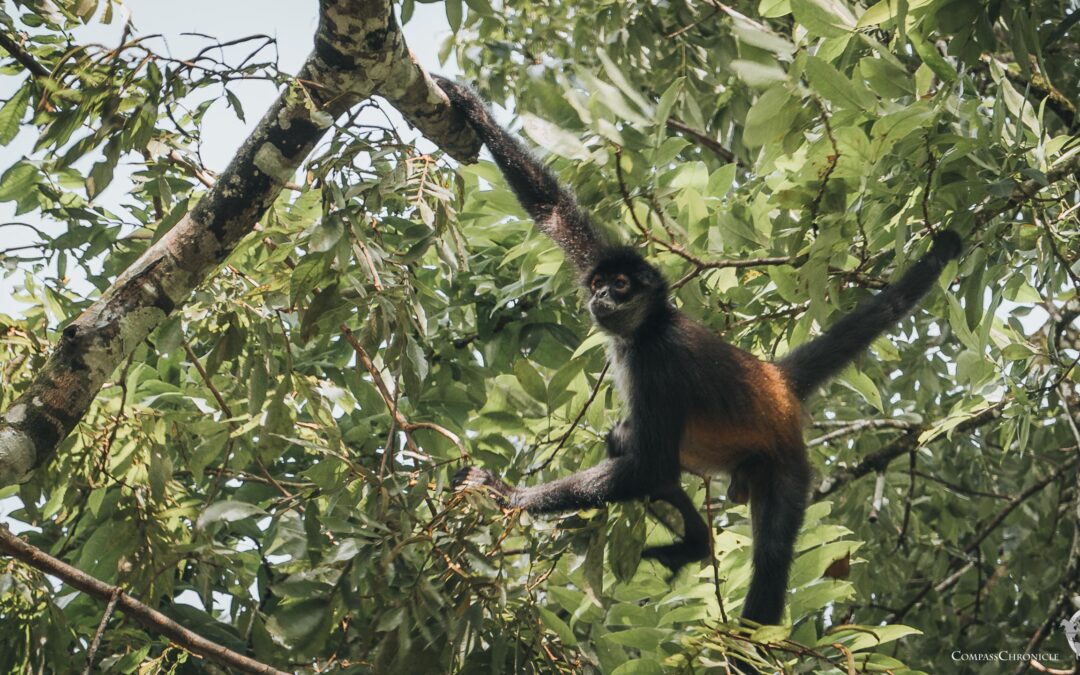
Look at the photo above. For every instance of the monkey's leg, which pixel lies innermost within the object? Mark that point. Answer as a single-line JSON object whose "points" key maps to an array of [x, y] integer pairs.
{"points": [[695, 536], [739, 489], [778, 498]]}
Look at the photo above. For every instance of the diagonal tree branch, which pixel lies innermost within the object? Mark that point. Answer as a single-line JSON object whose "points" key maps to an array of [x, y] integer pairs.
{"points": [[359, 51], [146, 616], [10, 42], [703, 139], [880, 460]]}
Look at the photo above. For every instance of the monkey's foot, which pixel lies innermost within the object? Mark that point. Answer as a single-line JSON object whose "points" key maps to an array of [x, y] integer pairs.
{"points": [[676, 556], [473, 477], [738, 491]]}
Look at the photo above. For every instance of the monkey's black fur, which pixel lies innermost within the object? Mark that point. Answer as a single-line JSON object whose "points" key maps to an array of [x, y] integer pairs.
{"points": [[692, 401]]}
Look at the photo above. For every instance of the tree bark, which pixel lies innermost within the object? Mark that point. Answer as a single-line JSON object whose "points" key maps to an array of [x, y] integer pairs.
{"points": [[359, 51]]}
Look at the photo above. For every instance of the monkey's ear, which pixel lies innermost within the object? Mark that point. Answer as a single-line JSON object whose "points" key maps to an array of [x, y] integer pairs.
{"points": [[651, 277]]}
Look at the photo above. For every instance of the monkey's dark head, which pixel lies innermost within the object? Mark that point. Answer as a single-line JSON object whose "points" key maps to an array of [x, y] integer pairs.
{"points": [[626, 293]]}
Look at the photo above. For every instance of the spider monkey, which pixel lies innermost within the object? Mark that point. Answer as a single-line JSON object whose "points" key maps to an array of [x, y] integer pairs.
{"points": [[692, 402]]}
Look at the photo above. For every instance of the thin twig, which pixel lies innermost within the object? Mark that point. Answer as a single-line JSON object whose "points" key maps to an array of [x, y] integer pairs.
{"points": [[573, 425], [96, 642], [978, 539], [860, 425], [390, 400], [712, 549], [830, 166], [908, 501], [703, 139]]}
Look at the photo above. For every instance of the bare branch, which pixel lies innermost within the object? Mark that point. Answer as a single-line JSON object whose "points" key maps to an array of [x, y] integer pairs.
{"points": [[960, 566], [96, 642], [702, 139], [147, 617]]}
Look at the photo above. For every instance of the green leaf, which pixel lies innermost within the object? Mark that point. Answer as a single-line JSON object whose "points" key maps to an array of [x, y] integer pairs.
{"points": [[885, 78], [530, 380], [101, 175], [826, 18], [857, 638], [235, 104], [767, 634], [626, 540], [619, 80], [886, 10], [228, 511], [757, 75], [12, 113], [639, 667], [324, 301], [326, 234], [558, 626], [295, 625], [454, 14], [931, 57], [769, 117], [667, 101], [774, 8], [811, 565], [827, 81], [17, 181], [864, 386], [554, 139], [643, 638]]}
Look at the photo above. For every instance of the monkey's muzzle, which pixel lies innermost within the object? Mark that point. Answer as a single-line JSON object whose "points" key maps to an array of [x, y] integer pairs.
{"points": [[601, 307]]}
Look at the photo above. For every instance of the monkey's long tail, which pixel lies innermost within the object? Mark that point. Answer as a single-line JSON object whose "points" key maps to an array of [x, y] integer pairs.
{"points": [[811, 364]]}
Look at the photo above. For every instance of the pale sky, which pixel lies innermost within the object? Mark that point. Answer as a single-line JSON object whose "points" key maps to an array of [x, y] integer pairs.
{"points": [[291, 22]]}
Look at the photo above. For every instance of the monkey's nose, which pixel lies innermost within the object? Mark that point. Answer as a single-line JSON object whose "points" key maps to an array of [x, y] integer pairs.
{"points": [[601, 306]]}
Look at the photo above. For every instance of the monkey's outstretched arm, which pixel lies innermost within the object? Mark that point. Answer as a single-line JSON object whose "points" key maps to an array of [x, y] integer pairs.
{"points": [[612, 480], [552, 206]]}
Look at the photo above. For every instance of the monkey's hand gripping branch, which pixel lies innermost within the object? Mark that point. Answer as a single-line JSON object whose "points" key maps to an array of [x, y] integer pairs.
{"points": [[473, 477]]}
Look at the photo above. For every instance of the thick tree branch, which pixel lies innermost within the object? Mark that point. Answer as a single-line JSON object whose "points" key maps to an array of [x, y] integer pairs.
{"points": [[147, 617], [11, 43], [1066, 24], [880, 460], [359, 50]]}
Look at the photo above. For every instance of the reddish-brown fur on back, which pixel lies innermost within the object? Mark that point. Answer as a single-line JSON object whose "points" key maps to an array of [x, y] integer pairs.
{"points": [[770, 430]]}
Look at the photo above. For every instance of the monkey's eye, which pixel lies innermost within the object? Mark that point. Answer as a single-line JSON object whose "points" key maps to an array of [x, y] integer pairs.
{"points": [[621, 283], [596, 283]]}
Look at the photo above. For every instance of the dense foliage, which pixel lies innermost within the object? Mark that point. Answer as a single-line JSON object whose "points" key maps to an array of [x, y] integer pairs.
{"points": [[279, 452]]}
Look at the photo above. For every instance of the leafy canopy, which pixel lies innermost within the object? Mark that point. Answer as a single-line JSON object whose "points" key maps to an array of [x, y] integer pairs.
{"points": [[277, 455]]}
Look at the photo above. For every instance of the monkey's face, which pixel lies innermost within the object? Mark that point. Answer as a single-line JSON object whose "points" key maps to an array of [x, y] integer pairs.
{"points": [[620, 301], [625, 291]]}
